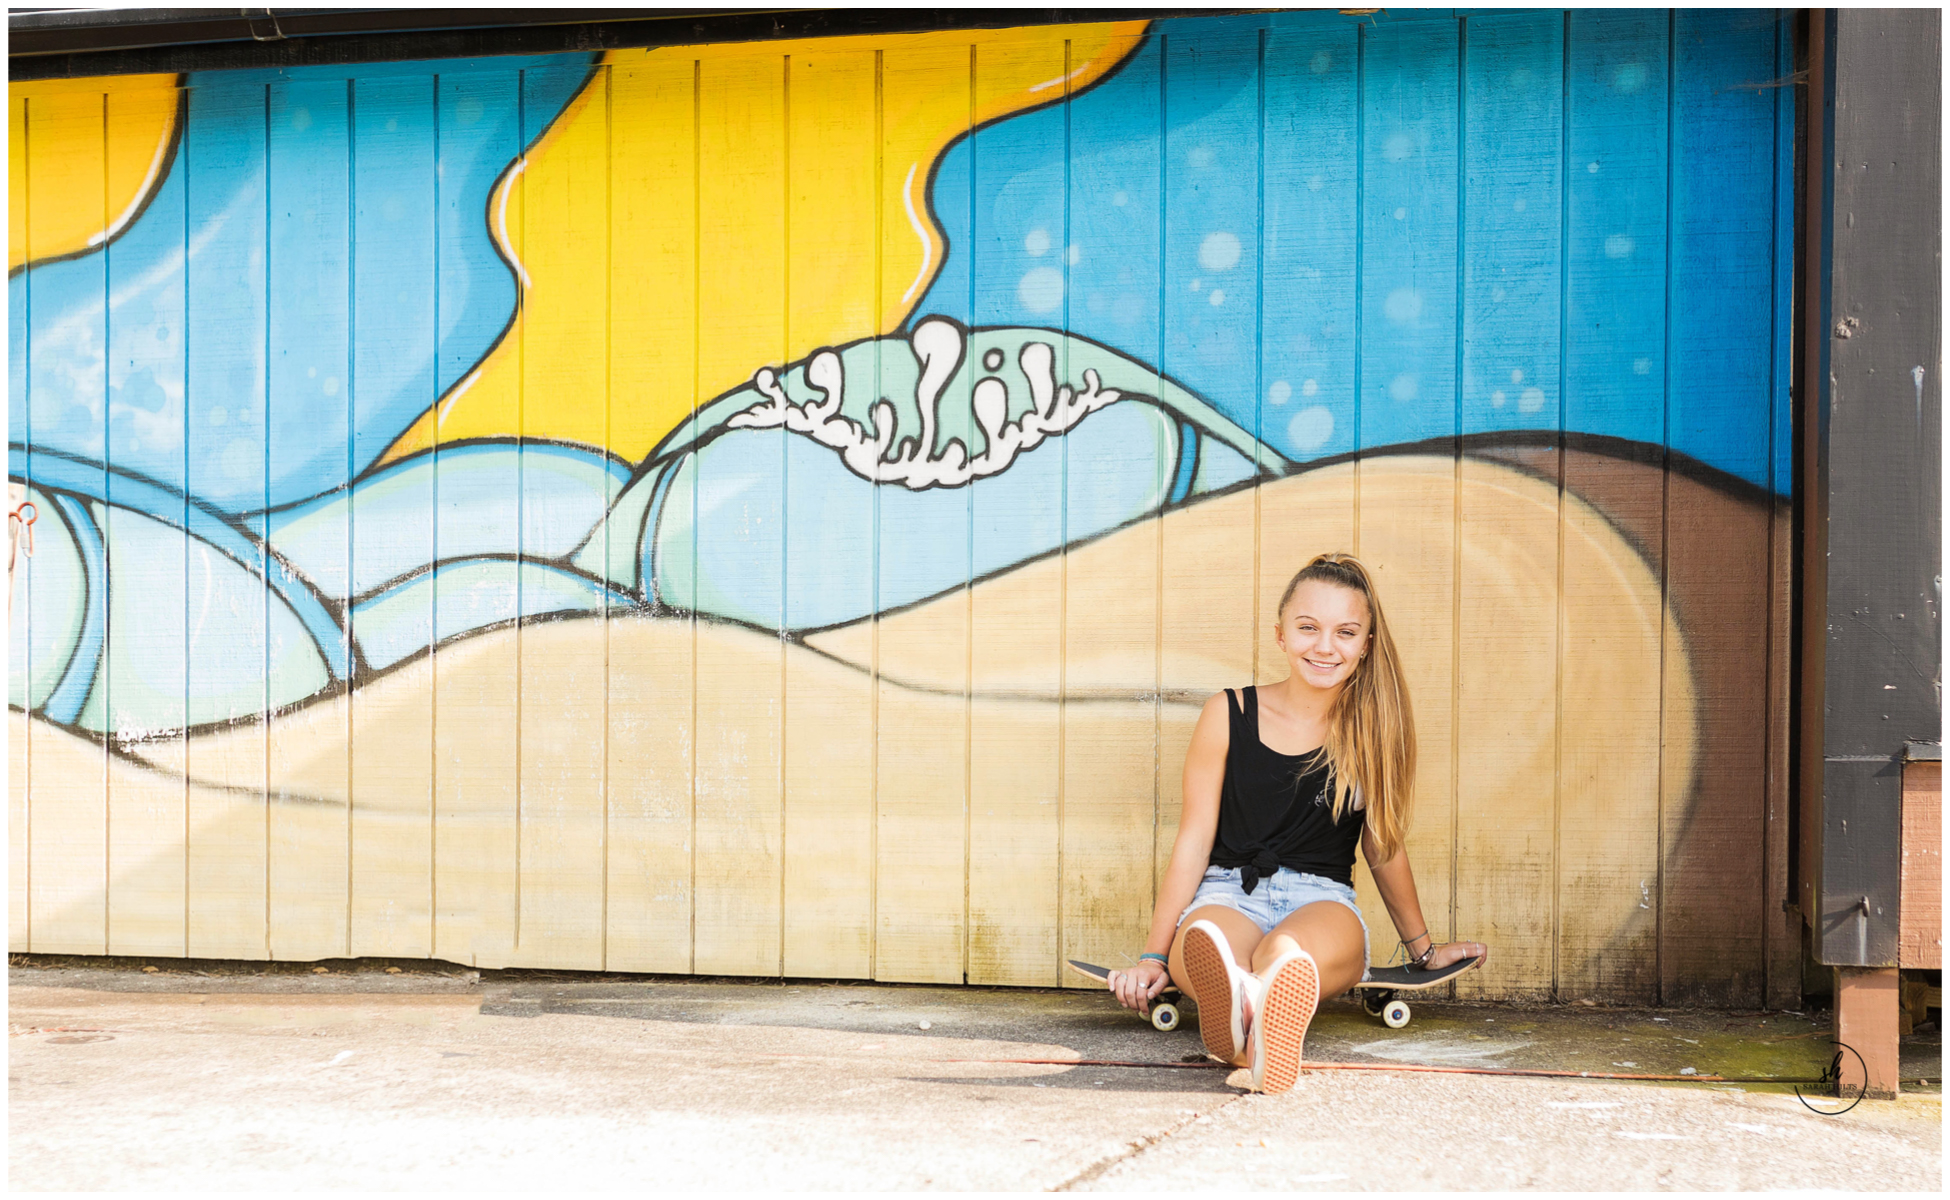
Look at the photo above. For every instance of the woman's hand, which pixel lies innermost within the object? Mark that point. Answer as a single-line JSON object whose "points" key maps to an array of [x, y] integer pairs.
{"points": [[1454, 952], [1139, 986]]}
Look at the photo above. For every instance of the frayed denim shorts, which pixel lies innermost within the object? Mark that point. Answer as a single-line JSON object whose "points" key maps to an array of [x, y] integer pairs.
{"points": [[1277, 897]]}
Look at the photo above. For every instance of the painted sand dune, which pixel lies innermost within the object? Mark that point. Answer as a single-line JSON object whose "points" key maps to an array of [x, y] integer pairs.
{"points": [[610, 782]]}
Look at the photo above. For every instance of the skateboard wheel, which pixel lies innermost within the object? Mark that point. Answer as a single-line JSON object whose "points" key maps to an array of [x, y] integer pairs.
{"points": [[1373, 1000], [1395, 1014], [1164, 1017]]}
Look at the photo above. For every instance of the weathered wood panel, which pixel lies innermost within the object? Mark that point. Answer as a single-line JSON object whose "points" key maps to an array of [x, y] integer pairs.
{"points": [[650, 739], [831, 159], [1615, 323], [742, 183], [226, 297], [1409, 542], [480, 647], [148, 618], [395, 182], [1016, 879], [19, 861], [1723, 212], [1111, 603], [563, 806], [308, 401], [476, 686]]}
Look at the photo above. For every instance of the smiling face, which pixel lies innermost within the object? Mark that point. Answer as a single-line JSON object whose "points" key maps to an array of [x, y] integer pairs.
{"points": [[1324, 631]]}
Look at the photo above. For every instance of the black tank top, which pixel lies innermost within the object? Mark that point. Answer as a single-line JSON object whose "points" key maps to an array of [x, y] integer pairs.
{"points": [[1277, 810]]}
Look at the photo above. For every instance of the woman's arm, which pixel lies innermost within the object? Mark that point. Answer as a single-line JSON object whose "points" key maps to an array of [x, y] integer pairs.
{"points": [[1396, 883], [1191, 852]]}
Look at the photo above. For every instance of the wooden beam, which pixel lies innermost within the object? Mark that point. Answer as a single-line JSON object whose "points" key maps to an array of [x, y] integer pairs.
{"points": [[1882, 470]]}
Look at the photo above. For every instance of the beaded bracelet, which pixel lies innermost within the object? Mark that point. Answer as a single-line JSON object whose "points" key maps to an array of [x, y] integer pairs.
{"points": [[1160, 959]]}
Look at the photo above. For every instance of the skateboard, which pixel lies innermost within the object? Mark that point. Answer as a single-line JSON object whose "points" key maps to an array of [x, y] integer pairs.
{"points": [[1379, 988], [1164, 1010], [1377, 1000]]}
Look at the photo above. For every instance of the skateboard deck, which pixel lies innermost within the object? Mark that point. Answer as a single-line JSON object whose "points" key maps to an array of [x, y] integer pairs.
{"points": [[1414, 979], [1380, 987], [1102, 974]]}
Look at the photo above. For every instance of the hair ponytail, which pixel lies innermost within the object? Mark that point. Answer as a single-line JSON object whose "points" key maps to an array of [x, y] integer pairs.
{"points": [[1371, 732]]}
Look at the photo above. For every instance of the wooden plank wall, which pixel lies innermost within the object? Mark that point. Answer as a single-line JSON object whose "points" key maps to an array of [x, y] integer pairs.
{"points": [[977, 785]]}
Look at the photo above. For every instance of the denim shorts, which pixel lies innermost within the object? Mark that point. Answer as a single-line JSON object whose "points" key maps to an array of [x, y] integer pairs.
{"points": [[1277, 897]]}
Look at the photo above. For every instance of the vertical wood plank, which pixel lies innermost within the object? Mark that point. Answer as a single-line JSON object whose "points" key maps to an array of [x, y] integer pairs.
{"points": [[391, 768], [144, 669], [1610, 756], [142, 680], [1309, 214], [1015, 871], [1207, 627], [1783, 929], [1309, 399], [652, 739], [1407, 535], [20, 623], [1312, 135], [1615, 292], [1111, 602], [927, 865], [740, 698], [476, 727], [562, 661], [1505, 728], [1509, 620], [17, 194], [69, 847], [1782, 964], [1406, 369], [308, 260], [829, 746], [223, 158], [20, 730], [1717, 552]]}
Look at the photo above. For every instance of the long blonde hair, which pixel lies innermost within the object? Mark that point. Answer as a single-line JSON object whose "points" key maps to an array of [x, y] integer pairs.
{"points": [[1371, 732]]}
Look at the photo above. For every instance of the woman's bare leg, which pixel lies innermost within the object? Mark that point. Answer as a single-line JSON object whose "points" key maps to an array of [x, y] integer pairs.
{"points": [[1241, 935], [1324, 929]]}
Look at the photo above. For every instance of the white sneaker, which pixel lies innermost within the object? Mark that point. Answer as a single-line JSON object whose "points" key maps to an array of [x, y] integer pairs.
{"points": [[1280, 1032], [1217, 984]]}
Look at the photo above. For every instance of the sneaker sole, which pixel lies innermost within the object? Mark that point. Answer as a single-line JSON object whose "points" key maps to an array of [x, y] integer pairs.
{"points": [[1288, 1009], [1205, 966]]}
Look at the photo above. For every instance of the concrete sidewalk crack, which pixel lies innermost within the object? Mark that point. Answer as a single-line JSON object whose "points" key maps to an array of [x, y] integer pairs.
{"points": [[1132, 1149]]}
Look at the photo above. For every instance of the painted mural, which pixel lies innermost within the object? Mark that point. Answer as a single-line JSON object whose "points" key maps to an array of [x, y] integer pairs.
{"points": [[776, 508]]}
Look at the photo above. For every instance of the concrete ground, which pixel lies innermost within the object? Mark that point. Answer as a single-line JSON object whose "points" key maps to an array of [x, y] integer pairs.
{"points": [[246, 1077]]}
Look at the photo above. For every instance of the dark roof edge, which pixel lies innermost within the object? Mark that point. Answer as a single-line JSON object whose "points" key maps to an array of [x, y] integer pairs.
{"points": [[49, 43], [46, 31]]}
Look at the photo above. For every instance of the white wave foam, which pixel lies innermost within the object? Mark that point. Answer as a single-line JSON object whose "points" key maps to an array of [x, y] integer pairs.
{"points": [[1054, 410]]}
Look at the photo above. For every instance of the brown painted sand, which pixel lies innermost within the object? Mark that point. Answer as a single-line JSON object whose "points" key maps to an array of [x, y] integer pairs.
{"points": [[669, 795]]}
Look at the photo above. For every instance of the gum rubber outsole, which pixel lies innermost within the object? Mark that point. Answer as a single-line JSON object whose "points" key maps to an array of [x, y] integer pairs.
{"points": [[1212, 992], [1291, 999]]}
